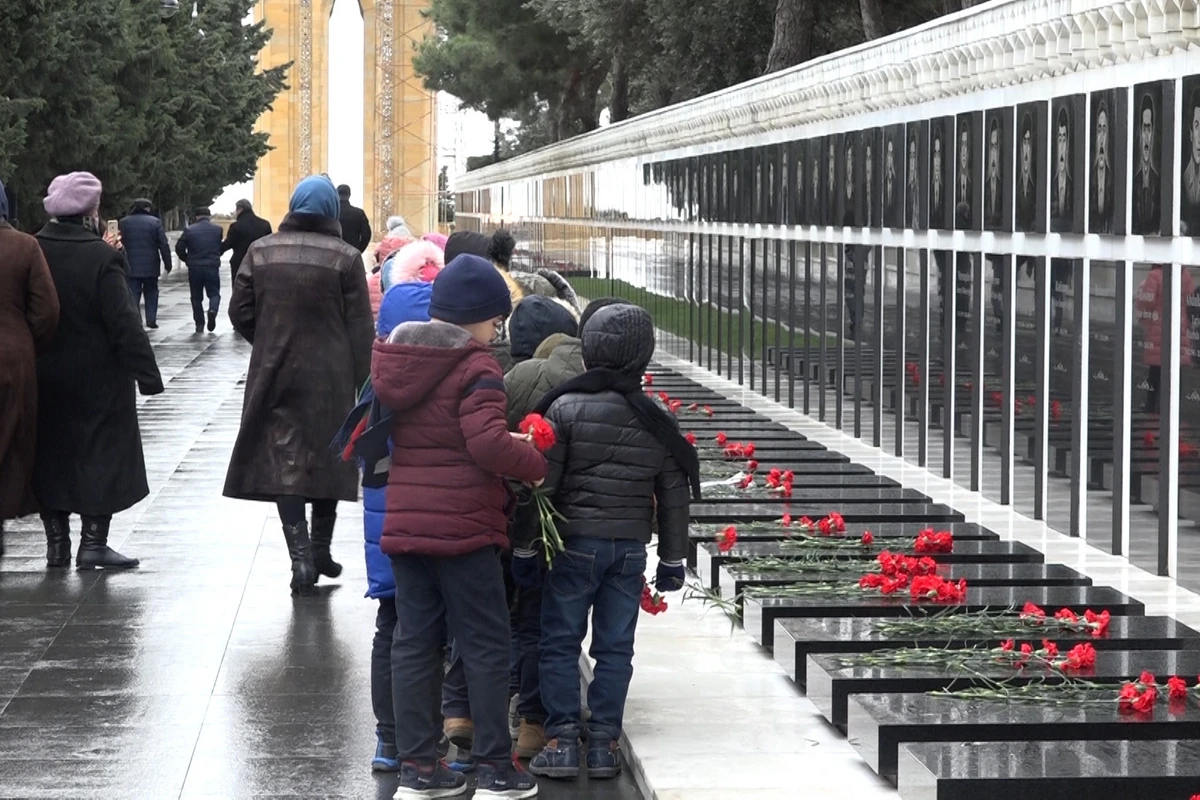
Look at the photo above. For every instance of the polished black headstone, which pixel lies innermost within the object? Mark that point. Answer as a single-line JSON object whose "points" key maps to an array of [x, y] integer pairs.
{"points": [[797, 638], [819, 479], [932, 513], [759, 613], [877, 724], [830, 684], [1122, 769], [841, 498], [734, 578], [709, 557]]}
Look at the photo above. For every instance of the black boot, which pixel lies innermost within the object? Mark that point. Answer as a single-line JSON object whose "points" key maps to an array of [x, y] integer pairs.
{"points": [[322, 537], [304, 574], [94, 552], [212, 320], [58, 538]]}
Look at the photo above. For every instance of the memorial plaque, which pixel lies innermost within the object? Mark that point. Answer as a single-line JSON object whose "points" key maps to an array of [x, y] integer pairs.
{"points": [[870, 205], [1124, 769], [795, 199], [1066, 164], [916, 177], [1108, 129], [1029, 193], [1189, 159], [709, 558], [733, 578], [830, 684], [877, 724], [894, 162], [1153, 129], [796, 639], [815, 205], [932, 513], [1147, 338], [998, 170], [968, 210], [832, 161], [941, 201], [760, 613]]}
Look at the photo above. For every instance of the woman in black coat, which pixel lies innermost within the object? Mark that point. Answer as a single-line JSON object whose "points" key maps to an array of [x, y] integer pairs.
{"points": [[89, 449]]}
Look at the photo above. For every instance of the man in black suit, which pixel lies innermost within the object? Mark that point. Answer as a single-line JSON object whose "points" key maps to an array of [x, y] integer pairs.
{"points": [[1189, 192], [937, 186], [913, 191], [848, 210], [891, 191], [1146, 192]]}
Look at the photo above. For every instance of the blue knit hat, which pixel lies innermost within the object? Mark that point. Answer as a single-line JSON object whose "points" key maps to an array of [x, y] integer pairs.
{"points": [[469, 290], [315, 195], [403, 302]]}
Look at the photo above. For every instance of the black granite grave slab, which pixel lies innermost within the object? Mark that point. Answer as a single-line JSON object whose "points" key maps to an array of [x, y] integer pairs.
{"points": [[877, 724], [706, 438], [709, 558], [839, 498], [830, 685], [783, 459], [733, 427], [759, 613], [732, 579], [963, 531], [766, 453], [866, 514], [820, 479], [1121, 770], [797, 638]]}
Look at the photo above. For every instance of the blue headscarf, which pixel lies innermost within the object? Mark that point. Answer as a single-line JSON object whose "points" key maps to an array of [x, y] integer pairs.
{"points": [[315, 195], [3, 202]]}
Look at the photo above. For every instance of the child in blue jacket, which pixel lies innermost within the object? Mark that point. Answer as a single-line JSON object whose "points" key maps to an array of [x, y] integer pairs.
{"points": [[403, 302]]}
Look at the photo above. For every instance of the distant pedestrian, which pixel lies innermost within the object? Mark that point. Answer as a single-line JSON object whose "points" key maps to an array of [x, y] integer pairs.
{"points": [[200, 249], [89, 447], [28, 317], [247, 229], [300, 299], [356, 228], [146, 248]]}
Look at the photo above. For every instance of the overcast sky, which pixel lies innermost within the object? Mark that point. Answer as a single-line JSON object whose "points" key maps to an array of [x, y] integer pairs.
{"points": [[460, 133]]}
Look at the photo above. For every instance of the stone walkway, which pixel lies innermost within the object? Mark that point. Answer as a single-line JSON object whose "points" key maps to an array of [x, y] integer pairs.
{"points": [[196, 675]]}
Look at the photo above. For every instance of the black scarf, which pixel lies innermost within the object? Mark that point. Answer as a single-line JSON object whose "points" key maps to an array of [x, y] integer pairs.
{"points": [[657, 421]]}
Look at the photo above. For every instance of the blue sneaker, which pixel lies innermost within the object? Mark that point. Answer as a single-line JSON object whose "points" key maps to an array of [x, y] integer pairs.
{"points": [[385, 756], [423, 781], [558, 759], [462, 762], [506, 780], [603, 757]]}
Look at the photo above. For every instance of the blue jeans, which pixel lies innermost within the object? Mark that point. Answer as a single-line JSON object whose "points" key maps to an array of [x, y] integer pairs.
{"points": [[604, 576], [527, 635], [149, 288], [204, 281], [381, 670]]}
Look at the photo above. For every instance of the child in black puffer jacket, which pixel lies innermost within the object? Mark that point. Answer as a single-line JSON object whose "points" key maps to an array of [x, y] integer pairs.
{"points": [[619, 465]]}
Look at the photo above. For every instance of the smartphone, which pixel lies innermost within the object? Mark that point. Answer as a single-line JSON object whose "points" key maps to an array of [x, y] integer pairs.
{"points": [[113, 230]]}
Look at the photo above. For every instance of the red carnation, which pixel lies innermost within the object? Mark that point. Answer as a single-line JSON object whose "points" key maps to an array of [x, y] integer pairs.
{"points": [[726, 539], [752, 465], [691, 439], [537, 428], [1177, 688], [722, 439], [648, 379], [1007, 645], [868, 538], [786, 521], [1031, 610], [1050, 647]]}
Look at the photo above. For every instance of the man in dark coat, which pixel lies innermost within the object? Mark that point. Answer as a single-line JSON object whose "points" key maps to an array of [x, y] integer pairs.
{"points": [[28, 316], [247, 229], [356, 228], [89, 448], [200, 249], [146, 247], [301, 300]]}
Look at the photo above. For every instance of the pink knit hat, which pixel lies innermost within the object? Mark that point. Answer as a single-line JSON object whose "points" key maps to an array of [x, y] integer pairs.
{"points": [[437, 238], [73, 195]]}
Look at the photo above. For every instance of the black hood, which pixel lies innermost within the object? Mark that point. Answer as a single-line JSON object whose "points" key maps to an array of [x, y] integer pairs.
{"points": [[533, 320], [619, 337]]}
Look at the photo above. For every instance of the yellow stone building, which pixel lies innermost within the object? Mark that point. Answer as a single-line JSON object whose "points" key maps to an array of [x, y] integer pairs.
{"points": [[400, 125]]}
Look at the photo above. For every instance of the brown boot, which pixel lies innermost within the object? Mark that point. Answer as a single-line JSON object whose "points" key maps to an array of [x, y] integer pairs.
{"points": [[460, 732], [531, 739]]}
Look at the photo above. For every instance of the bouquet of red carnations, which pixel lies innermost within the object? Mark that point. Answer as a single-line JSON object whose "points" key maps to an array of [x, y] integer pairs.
{"points": [[541, 433]]}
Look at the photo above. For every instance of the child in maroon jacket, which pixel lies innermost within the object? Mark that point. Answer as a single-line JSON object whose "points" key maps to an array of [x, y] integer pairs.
{"points": [[445, 522]]}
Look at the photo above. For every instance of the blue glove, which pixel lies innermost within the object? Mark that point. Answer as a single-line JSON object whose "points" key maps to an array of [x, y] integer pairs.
{"points": [[670, 576], [526, 570]]}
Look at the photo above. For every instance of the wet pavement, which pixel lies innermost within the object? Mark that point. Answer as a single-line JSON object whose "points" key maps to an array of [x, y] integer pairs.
{"points": [[196, 675]]}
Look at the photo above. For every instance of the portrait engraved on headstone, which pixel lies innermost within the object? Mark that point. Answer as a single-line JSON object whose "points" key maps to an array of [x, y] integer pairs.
{"points": [[794, 169], [1147, 159], [937, 174], [868, 172], [893, 176], [1066, 165], [848, 180], [992, 193], [967, 172], [1189, 158], [815, 215], [1030, 169], [1102, 181], [914, 212]]}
